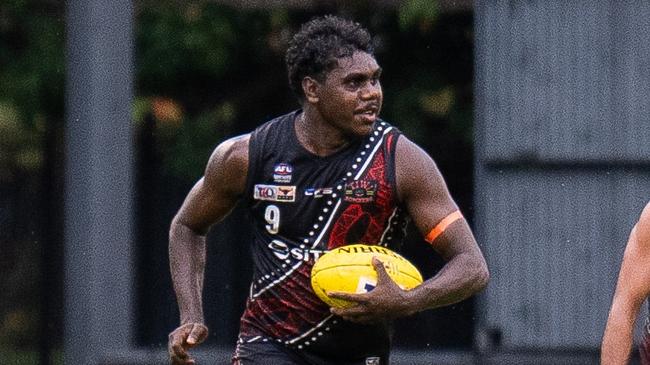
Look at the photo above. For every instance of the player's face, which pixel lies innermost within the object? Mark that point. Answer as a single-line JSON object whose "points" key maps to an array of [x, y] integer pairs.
{"points": [[350, 97]]}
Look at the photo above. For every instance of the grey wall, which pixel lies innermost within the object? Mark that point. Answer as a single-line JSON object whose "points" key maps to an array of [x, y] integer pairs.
{"points": [[563, 161]]}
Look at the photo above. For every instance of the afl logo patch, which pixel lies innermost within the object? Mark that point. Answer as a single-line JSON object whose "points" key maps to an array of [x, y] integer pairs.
{"points": [[282, 172], [275, 193], [360, 191]]}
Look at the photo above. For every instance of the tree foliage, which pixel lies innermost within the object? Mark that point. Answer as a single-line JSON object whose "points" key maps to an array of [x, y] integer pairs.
{"points": [[31, 79], [205, 72]]}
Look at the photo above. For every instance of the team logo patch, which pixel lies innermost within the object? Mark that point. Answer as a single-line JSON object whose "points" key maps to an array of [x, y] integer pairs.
{"points": [[373, 360], [360, 191], [275, 193], [282, 173]]}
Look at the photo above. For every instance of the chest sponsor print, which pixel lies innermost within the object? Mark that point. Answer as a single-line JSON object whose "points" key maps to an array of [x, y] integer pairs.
{"points": [[318, 192], [275, 193], [283, 251]]}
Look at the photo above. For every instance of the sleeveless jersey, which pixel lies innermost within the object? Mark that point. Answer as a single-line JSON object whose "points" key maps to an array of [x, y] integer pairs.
{"points": [[302, 205]]}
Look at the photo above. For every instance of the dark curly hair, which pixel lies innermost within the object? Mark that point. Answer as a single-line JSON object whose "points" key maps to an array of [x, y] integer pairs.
{"points": [[315, 49]]}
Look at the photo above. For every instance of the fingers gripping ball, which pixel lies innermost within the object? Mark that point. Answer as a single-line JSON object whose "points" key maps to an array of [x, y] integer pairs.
{"points": [[349, 269]]}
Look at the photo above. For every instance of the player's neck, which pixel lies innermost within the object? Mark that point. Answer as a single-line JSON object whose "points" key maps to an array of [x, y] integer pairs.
{"points": [[317, 135]]}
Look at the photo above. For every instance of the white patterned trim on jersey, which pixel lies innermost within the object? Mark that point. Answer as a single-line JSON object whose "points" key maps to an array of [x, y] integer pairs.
{"points": [[360, 165]]}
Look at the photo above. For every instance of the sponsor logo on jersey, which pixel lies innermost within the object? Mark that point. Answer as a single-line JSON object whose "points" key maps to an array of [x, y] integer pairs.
{"points": [[282, 251], [282, 173], [373, 360], [275, 193], [360, 191], [319, 192]]}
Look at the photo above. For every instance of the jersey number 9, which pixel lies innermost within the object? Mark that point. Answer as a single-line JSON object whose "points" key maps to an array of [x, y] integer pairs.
{"points": [[272, 216]]}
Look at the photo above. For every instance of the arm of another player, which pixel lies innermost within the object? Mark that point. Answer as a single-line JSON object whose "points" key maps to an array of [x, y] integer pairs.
{"points": [[422, 188], [209, 201], [631, 290]]}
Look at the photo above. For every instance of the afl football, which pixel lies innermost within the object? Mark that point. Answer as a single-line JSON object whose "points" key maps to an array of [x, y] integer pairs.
{"points": [[349, 269]]}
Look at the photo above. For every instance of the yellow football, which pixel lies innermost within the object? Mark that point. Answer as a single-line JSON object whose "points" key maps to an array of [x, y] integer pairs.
{"points": [[349, 269]]}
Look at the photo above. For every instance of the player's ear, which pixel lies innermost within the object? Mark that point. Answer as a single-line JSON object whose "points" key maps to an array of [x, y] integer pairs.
{"points": [[310, 87]]}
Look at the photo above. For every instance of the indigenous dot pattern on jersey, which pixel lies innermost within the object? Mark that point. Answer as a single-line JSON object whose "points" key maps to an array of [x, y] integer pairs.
{"points": [[301, 206]]}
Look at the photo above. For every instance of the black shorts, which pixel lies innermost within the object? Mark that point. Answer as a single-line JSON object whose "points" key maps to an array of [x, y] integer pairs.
{"points": [[264, 352]]}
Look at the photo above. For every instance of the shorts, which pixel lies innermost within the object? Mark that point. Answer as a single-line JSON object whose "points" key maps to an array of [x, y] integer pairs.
{"points": [[264, 352]]}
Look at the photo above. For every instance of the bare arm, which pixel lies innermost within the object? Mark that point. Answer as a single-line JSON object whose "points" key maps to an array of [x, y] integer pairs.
{"points": [[631, 290], [209, 201], [422, 188], [425, 193]]}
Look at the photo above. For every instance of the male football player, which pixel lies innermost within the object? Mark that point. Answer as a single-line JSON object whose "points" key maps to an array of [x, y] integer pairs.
{"points": [[329, 174]]}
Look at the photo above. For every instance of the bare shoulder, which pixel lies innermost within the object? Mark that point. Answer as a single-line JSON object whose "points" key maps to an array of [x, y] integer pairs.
{"points": [[420, 186], [642, 228], [409, 154], [413, 166], [645, 215], [232, 152], [228, 164], [416, 172]]}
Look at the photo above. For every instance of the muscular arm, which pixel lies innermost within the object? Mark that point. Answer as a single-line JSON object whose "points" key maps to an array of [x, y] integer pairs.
{"points": [[423, 190], [427, 199], [631, 290], [210, 200]]}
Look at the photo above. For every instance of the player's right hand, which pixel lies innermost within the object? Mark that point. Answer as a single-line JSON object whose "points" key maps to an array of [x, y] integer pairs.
{"points": [[184, 338], [386, 300]]}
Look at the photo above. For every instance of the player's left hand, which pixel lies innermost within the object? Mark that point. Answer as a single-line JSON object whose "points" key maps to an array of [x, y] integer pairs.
{"points": [[386, 300]]}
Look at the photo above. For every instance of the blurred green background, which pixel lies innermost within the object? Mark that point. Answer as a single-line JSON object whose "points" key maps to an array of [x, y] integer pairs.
{"points": [[205, 71]]}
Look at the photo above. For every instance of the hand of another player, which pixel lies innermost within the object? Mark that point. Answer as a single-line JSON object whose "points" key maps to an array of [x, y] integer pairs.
{"points": [[386, 300], [184, 338]]}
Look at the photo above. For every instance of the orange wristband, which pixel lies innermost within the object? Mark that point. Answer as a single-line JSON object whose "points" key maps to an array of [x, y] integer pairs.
{"points": [[442, 226]]}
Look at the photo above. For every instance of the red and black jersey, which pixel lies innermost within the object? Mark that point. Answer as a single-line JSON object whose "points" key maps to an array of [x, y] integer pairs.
{"points": [[302, 205]]}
